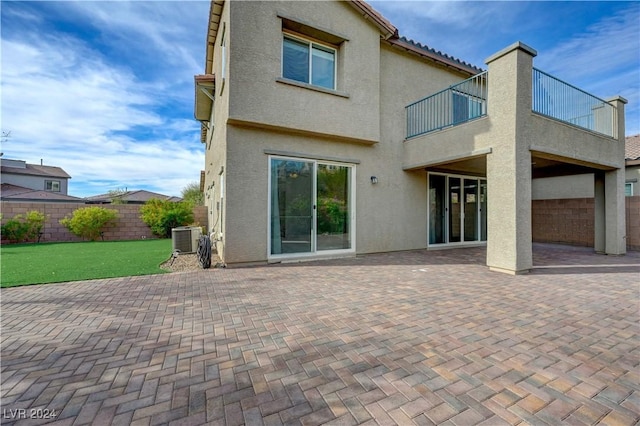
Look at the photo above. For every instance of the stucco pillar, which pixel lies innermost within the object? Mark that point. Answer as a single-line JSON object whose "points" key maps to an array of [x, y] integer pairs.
{"points": [[615, 242], [509, 246], [615, 227], [599, 213]]}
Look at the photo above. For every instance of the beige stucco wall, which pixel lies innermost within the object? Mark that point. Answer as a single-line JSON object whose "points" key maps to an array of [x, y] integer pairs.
{"points": [[390, 215], [257, 95], [216, 140], [563, 187]]}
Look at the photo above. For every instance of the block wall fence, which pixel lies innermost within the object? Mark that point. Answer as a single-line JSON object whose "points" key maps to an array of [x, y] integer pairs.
{"points": [[128, 226], [568, 221], [571, 221]]}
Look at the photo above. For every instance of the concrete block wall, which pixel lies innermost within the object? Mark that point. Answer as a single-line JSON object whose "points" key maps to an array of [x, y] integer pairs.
{"points": [[128, 226], [633, 223], [571, 221]]}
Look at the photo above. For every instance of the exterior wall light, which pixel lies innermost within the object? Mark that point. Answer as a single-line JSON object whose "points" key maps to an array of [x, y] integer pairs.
{"points": [[374, 180]]}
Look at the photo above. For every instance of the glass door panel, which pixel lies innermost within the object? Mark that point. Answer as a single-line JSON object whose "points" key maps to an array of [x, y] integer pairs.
{"points": [[470, 209], [292, 202], [455, 212], [437, 209], [483, 210], [334, 215]]}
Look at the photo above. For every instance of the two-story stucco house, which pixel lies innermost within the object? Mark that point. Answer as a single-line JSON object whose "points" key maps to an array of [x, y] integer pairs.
{"points": [[328, 134]]}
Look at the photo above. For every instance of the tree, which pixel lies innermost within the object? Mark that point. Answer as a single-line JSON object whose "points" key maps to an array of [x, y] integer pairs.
{"points": [[192, 194], [5, 138], [162, 215], [116, 196]]}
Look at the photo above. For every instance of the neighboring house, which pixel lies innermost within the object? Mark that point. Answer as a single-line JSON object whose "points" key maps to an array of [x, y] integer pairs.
{"points": [[14, 193], [36, 177], [130, 197], [632, 165], [327, 134]]}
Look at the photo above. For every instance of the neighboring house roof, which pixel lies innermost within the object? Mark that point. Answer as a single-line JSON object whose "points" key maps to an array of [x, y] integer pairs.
{"points": [[388, 31], [134, 197], [16, 193], [36, 170], [632, 147]]}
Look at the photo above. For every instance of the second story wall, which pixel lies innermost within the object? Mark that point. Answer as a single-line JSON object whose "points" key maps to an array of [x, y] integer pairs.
{"points": [[38, 183], [406, 78], [262, 94]]}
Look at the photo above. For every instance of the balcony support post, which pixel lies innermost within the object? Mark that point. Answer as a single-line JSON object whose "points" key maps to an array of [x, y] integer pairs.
{"points": [[509, 241], [600, 222]]}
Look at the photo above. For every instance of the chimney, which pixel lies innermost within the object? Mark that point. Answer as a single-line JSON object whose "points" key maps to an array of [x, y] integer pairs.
{"points": [[41, 162]]}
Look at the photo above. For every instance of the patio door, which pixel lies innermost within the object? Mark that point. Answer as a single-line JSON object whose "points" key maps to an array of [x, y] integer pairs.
{"points": [[457, 209], [311, 207]]}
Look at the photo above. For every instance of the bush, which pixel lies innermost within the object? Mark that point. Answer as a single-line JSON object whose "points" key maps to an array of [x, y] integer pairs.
{"points": [[23, 228], [15, 230], [161, 215], [88, 222], [35, 224]]}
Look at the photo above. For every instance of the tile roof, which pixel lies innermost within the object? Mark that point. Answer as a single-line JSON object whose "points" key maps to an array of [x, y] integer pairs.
{"points": [[36, 170], [436, 55], [632, 147], [9, 192], [139, 196]]}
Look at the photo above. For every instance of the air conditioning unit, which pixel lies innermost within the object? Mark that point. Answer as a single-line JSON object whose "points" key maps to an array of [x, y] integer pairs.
{"points": [[185, 238]]}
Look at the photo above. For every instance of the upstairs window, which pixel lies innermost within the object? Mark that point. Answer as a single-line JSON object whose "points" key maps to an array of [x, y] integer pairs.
{"points": [[308, 62], [52, 185]]}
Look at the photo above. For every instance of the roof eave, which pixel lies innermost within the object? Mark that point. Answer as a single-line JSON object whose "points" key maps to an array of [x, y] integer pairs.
{"points": [[387, 29], [449, 63]]}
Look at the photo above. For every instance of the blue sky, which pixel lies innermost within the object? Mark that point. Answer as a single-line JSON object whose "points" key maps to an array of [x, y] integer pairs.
{"points": [[105, 89]]}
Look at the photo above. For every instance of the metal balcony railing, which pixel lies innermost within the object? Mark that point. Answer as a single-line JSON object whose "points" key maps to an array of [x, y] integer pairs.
{"points": [[559, 100], [458, 104]]}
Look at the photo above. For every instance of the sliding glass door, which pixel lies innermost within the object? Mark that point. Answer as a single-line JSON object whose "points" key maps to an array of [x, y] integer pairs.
{"points": [[311, 207], [457, 209]]}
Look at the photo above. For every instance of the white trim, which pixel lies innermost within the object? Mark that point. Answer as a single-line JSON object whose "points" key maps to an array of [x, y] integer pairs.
{"points": [[625, 189], [310, 44], [314, 253]]}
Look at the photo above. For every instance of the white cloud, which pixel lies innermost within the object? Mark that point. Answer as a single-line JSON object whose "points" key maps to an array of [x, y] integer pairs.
{"points": [[603, 60], [93, 112]]}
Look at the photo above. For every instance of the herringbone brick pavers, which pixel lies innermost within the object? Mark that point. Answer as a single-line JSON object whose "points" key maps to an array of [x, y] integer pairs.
{"points": [[400, 338]]}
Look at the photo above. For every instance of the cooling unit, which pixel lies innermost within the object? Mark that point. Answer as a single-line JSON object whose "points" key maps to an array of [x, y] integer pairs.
{"points": [[185, 238]]}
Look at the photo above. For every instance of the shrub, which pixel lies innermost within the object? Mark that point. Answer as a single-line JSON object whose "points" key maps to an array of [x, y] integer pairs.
{"points": [[23, 228], [88, 222], [162, 215], [35, 224], [15, 229]]}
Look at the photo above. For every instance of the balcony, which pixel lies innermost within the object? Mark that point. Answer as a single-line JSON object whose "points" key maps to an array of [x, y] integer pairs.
{"points": [[561, 101], [458, 104], [551, 97]]}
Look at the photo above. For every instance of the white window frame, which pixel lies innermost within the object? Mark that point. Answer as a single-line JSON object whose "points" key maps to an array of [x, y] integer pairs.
{"points": [[630, 186], [310, 43], [319, 254], [53, 183]]}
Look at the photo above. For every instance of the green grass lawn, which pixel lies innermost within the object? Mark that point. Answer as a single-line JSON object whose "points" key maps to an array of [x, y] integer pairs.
{"points": [[23, 264]]}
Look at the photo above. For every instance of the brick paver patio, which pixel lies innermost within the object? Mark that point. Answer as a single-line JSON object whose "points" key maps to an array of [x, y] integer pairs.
{"points": [[403, 338]]}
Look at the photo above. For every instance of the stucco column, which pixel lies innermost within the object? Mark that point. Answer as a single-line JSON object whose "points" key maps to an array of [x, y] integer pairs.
{"points": [[615, 227], [599, 213], [509, 164]]}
